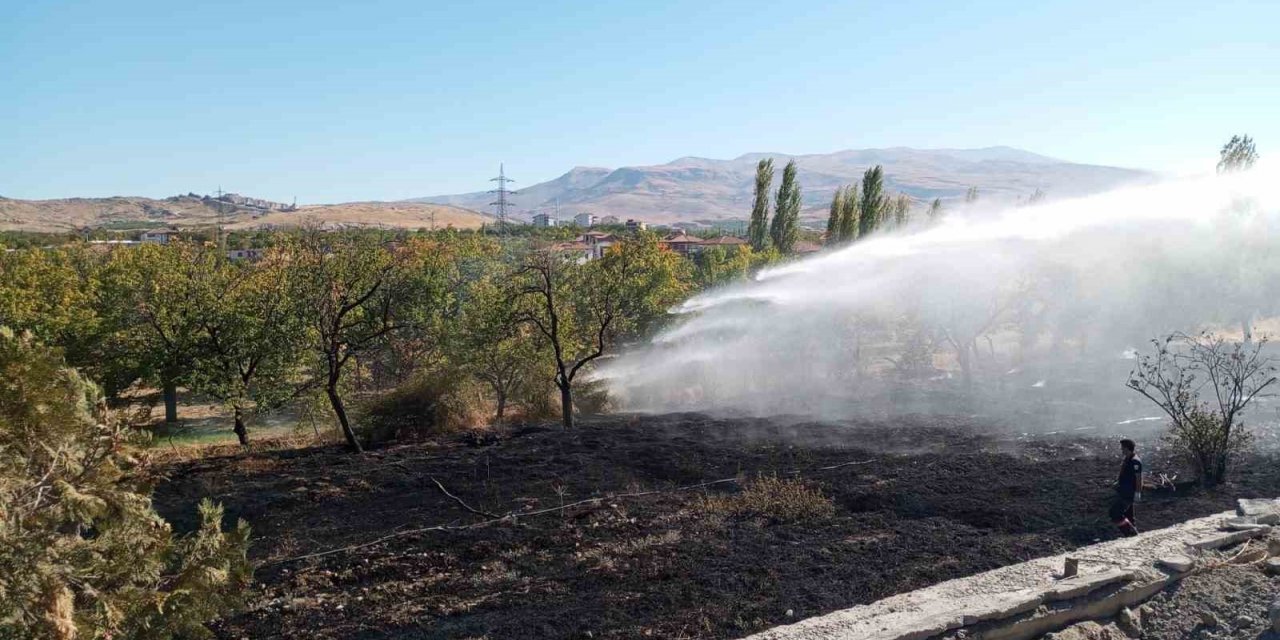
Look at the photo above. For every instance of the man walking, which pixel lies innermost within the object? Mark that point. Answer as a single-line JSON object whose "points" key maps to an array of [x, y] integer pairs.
{"points": [[1128, 490]]}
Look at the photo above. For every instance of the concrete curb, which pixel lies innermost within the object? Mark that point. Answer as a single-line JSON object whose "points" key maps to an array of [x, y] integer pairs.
{"points": [[1030, 599]]}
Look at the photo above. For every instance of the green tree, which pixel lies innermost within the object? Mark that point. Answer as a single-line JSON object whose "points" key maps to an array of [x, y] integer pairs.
{"points": [[1238, 154], [873, 203], [901, 210], [357, 290], [82, 552], [584, 310], [54, 294], [496, 347], [851, 214], [720, 265], [935, 209], [785, 228], [758, 229], [250, 337], [833, 218], [154, 292]]}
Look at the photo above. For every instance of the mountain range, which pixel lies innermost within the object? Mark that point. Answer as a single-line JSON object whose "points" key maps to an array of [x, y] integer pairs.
{"points": [[704, 189]]}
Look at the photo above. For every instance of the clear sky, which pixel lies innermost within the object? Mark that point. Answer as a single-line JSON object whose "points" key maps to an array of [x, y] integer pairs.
{"points": [[386, 100]]}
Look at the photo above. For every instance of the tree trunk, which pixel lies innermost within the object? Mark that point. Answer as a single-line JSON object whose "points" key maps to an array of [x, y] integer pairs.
{"points": [[964, 355], [566, 404], [242, 433], [170, 400], [341, 411], [502, 406]]}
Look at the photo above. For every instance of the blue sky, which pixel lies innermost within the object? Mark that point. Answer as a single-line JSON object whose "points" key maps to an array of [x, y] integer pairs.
{"points": [[332, 102]]}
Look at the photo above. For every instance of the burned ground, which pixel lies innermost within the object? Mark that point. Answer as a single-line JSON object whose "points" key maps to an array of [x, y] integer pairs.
{"points": [[916, 501]]}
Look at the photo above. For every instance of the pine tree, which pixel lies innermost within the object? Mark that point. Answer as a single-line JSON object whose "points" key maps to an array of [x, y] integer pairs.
{"points": [[849, 216], [757, 231], [873, 202], [786, 218], [935, 209], [833, 218]]}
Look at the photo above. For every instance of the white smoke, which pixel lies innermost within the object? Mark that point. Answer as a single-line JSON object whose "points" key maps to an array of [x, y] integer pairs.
{"points": [[1034, 308]]}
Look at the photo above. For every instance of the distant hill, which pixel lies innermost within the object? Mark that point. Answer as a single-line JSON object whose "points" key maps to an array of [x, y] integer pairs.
{"points": [[707, 189], [190, 211]]}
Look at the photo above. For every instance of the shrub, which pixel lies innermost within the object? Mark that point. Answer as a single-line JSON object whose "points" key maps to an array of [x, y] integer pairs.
{"points": [[774, 499], [1208, 433], [82, 551], [428, 405]]}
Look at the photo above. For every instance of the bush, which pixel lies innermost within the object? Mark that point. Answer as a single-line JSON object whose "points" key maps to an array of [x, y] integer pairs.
{"points": [[82, 551], [1232, 374], [774, 499], [1203, 442], [428, 405]]}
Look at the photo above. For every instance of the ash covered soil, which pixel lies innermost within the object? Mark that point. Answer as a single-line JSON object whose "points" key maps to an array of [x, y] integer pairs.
{"points": [[925, 500]]}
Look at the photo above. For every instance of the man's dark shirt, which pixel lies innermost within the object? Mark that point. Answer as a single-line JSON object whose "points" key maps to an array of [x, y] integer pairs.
{"points": [[1127, 485]]}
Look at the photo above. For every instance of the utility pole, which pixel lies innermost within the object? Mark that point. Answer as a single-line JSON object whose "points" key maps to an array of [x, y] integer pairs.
{"points": [[502, 203]]}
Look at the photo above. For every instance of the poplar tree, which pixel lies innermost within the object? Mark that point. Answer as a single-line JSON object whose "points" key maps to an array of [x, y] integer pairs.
{"points": [[833, 218], [849, 215], [1237, 154], [901, 208], [935, 209], [873, 203], [786, 218], [757, 231]]}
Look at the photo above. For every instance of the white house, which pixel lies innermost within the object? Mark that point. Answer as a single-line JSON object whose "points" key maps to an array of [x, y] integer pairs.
{"points": [[597, 242], [544, 220], [160, 236], [585, 220]]}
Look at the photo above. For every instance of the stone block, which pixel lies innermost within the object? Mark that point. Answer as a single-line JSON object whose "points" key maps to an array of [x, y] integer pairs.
{"points": [[1082, 585], [1221, 540], [1130, 622], [1258, 507], [1273, 566], [1176, 564], [1002, 605]]}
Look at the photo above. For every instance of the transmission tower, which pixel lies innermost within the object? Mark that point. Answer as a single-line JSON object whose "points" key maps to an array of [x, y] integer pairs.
{"points": [[502, 203]]}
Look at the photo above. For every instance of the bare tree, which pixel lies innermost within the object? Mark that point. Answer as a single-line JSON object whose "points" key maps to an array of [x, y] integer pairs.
{"points": [[1209, 432]]}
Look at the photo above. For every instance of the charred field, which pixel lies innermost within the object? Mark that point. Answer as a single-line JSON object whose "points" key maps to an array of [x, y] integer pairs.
{"points": [[625, 547]]}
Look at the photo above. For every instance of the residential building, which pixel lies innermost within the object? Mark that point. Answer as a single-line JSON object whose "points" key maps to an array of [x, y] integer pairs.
{"points": [[802, 247], [609, 220], [579, 252], [160, 236], [544, 220], [683, 243], [585, 220], [598, 242], [636, 225], [728, 242]]}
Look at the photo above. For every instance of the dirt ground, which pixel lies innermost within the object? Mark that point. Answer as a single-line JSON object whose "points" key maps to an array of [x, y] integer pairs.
{"points": [[1227, 603], [916, 501]]}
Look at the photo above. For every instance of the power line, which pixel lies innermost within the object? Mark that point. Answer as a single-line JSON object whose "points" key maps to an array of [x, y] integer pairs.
{"points": [[502, 203]]}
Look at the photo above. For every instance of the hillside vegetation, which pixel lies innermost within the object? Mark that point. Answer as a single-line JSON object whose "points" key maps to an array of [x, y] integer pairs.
{"points": [[125, 212]]}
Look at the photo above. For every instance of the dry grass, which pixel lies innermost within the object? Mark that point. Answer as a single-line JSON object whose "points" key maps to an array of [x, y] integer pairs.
{"points": [[163, 454], [772, 498]]}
